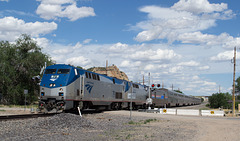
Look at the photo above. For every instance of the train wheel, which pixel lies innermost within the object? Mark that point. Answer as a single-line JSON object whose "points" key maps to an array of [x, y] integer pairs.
{"points": [[114, 106], [168, 105], [119, 106], [144, 106]]}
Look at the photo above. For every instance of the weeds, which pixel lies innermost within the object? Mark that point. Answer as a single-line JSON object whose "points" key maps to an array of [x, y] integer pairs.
{"points": [[149, 120], [142, 121], [128, 136]]}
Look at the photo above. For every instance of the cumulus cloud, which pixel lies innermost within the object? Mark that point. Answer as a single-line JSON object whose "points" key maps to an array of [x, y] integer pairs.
{"points": [[224, 39], [42, 42], [87, 41], [77, 46], [118, 47], [155, 55], [204, 68], [183, 19], [175, 69], [224, 56], [11, 28], [199, 6], [54, 9], [190, 64], [80, 60]]}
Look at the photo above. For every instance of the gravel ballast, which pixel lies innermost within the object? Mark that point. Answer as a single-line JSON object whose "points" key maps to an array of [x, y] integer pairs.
{"points": [[101, 126]]}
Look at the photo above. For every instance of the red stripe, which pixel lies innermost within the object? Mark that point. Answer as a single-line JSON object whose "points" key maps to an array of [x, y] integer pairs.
{"points": [[103, 100]]}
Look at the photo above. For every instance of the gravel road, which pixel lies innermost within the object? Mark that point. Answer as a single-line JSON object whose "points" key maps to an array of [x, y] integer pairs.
{"points": [[116, 125]]}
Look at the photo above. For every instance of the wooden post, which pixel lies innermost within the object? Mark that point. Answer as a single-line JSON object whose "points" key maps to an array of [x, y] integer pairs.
{"points": [[233, 94]]}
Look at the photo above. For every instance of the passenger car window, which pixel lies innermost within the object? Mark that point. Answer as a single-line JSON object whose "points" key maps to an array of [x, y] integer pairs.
{"points": [[50, 71], [63, 71]]}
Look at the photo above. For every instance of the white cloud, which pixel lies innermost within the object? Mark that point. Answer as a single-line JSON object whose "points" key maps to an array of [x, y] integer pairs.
{"points": [[155, 55], [78, 45], [224, 56], [62, 51], [190, 64], [125, 63], [80, 60], [176, 69], [87, 41], [4, 0], [199, 6], [11, 28], [150, 67], [42, 42], [183, 22], [118, 47], [54, 9], [204, 68], [224, 39]]}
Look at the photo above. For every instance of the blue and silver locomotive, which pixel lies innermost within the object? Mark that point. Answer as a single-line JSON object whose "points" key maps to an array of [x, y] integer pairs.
{"points": [[64, 87]]}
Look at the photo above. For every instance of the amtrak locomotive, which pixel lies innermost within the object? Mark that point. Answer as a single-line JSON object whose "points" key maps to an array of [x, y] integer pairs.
{"points": [[64, 87]]}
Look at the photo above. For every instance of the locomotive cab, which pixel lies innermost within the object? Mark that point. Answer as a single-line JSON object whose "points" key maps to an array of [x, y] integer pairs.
{"points": [[53, 87]]}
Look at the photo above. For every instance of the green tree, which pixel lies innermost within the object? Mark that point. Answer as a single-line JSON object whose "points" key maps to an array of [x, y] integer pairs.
{"points": [[220, 99], [19, 62], [237, 86]]}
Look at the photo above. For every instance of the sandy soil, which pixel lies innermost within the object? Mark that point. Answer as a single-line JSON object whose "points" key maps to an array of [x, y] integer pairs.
{"points": [[15, 111], [170, 127], [207, 128]]}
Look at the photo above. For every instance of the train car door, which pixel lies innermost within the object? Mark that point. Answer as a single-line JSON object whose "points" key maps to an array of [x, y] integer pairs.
{"points": [[81, 85]]}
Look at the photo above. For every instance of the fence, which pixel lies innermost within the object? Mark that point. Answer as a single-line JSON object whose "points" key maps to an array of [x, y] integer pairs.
{"points": [[190, 112]]}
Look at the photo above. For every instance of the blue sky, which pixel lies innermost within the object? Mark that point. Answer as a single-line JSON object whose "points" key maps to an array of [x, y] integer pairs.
{"points": [[187, 43]]}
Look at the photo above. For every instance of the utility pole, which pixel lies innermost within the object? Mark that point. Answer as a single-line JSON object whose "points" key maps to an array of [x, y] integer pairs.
{"points": [[234, 69]]}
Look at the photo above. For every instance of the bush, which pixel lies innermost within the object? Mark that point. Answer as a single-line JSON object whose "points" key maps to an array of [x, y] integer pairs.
{"points": [[220, 100]]}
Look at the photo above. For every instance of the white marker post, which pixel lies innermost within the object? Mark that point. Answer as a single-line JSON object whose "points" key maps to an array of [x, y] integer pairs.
{"points": [[25, 93], [79, 112]]}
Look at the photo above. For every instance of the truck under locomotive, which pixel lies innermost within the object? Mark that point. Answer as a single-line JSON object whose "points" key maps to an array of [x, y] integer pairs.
{"points": [[64, 87]]}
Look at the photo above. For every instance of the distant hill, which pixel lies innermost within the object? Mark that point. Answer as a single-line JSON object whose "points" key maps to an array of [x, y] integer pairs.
{"points": [[111, 71]]}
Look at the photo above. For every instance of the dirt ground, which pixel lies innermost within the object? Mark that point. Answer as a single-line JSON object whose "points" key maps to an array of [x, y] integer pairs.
{"points": [[174, 127], [16, 111], [207, 128]]}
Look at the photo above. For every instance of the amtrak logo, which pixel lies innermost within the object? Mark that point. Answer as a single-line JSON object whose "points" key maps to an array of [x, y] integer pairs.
{"points": [[89, 86], [54, 77]]}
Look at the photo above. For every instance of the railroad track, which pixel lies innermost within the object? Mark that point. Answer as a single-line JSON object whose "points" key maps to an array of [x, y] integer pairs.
{"points": [[25, 116]]}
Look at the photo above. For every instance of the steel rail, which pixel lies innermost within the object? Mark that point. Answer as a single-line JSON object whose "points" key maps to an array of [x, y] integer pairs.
{"points": [[25, 116]]}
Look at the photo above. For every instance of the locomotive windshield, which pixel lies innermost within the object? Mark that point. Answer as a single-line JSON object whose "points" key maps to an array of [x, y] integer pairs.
{"points": [[50, 71], [63, 71]]}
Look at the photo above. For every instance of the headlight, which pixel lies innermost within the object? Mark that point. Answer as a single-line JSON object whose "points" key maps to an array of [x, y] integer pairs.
{"points": [[61, 90], [52, 85]]}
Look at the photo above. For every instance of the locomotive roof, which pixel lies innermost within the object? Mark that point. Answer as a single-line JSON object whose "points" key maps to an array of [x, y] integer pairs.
{"points": [[64, 66]]}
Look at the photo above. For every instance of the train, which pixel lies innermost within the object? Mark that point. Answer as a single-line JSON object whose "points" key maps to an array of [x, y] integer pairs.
{"points": [[168, 98], [65, 87]]}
